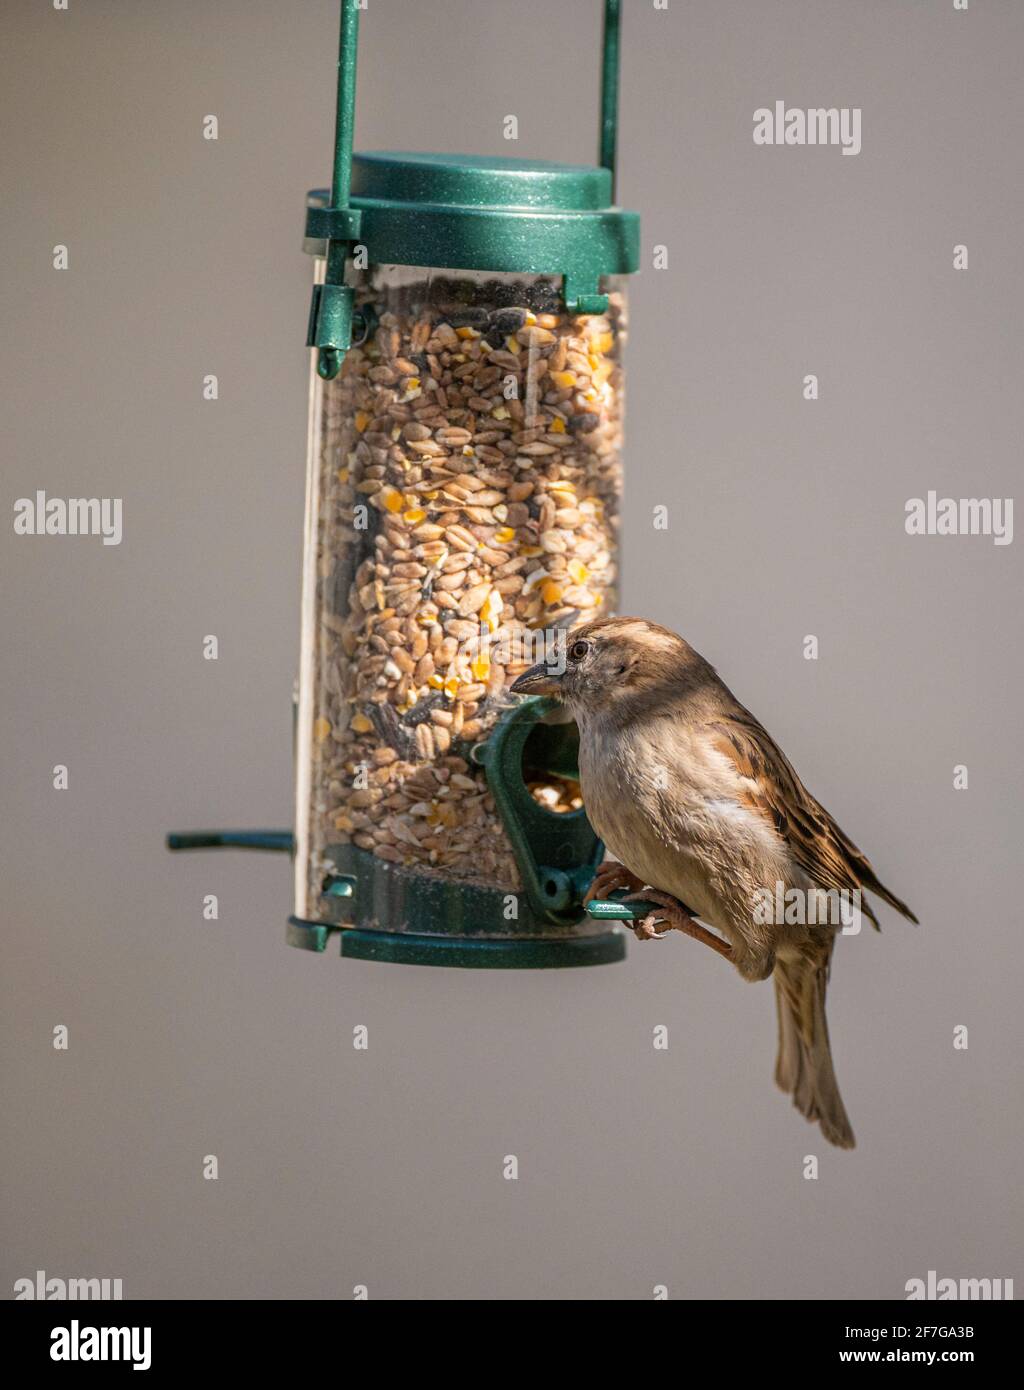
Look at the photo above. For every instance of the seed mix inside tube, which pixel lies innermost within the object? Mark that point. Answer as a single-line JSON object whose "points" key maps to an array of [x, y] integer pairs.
{"points": [[469, 485]]}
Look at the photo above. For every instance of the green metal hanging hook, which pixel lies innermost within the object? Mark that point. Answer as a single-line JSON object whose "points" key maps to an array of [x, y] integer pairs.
{"points": [[332, 311], [609, 140]]}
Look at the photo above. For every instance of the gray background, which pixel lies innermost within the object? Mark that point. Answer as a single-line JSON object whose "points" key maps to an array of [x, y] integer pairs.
{"points": [[637, 1167]]}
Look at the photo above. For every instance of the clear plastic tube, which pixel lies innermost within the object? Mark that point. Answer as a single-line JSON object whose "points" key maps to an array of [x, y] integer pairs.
{"points": [[463, 490]]}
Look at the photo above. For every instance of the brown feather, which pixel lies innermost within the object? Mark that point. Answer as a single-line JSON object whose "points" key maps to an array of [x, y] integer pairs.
{"points": [[819, 846]]}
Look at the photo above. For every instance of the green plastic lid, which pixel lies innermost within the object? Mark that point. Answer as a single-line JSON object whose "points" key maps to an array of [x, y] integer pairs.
{"points": [[471, 212], [468, 180]]}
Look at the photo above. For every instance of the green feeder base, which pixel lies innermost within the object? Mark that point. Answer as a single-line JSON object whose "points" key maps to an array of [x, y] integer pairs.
{"points": [[487, 953]]}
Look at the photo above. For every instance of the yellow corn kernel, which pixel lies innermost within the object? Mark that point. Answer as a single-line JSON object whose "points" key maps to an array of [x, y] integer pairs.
{"points": [[391, 498], [436, 681], [321, 729], [531, 319], [342, 475], [578, 571], [450, 686], [466, 332], [531, 550], [492, 609], [558, 425], [412, 384], [414, 516], [602, 372], [500, 413], [481, 666], [564, 380], [512, 343], [360, 724], [551, 592], [362, 420], [504, 534]]}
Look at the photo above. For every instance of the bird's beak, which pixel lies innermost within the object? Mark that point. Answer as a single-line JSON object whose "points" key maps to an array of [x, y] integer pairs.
{"points": [[538, 680]]}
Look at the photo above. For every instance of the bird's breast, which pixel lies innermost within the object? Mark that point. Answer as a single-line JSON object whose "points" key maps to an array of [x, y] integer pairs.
{"points": [[667, 808]]}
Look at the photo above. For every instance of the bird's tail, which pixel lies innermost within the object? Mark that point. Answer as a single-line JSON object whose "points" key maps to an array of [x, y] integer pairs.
{"points": [[804, 1065]]}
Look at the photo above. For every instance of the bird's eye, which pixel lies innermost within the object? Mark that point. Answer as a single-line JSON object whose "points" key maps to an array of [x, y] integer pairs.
{"points": [[578, 650]]}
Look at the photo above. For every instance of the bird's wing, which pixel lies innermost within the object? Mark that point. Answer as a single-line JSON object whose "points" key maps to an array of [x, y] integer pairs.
{"points": [[829, 857]]}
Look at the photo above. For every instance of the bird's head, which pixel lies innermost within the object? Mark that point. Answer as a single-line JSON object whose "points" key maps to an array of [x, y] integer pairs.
{"points": [[614, 663]]}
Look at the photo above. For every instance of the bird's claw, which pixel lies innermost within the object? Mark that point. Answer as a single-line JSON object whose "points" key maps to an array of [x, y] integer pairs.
{"points": [[611, 877], [679, 918], [645, 929], [675, 915]]}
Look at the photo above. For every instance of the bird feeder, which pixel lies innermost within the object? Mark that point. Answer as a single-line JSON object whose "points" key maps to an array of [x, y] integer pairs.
{"points": [[462, 497]]}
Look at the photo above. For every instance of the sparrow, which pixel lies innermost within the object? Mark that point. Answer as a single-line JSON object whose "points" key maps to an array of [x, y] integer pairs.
{"points": [[707, 819]]}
